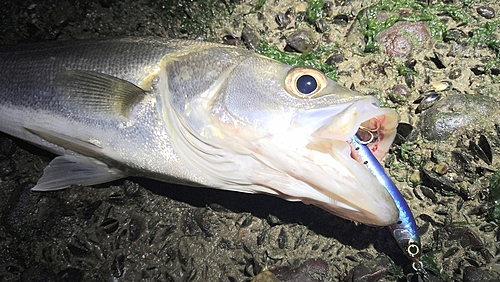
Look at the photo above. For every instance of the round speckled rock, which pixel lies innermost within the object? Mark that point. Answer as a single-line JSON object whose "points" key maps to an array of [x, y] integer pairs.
{"points": [[459, 112], [404, 37]]}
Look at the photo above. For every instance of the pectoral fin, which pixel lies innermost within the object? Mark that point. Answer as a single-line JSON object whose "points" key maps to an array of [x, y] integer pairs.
{"points": [[64, 171], [98, 92]]}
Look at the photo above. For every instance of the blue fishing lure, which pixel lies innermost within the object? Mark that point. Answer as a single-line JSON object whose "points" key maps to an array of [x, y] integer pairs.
{"points": [[405, 229]]}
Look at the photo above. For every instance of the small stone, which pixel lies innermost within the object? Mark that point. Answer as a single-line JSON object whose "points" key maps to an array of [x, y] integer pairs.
{"points": [[321, 26], [486, 12], [399, 93], [341, 20], [283, 20], [415, 177], [456, 35], [455, 73], [335, 58], [250, 37], [300, 41]]}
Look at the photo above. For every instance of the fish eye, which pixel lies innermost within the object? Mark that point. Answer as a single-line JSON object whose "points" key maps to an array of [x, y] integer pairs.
{"points": [[305, 82]]}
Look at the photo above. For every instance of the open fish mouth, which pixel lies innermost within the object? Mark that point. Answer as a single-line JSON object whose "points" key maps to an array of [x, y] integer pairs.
{"points": [[375, 126], [353, 192]]}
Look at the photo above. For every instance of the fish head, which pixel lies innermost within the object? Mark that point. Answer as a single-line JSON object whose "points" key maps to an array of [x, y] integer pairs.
{"points": [[266, 127]]}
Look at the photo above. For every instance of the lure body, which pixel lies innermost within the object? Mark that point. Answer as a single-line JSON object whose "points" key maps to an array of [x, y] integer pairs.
{"points": [[405, 229]]}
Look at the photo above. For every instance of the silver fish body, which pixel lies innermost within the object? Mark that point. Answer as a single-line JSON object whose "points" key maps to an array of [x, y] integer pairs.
{"points": [[198, 114]]}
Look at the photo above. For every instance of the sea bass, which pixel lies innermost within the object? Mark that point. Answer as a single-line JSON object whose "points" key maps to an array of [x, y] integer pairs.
{"points": [[198, 114]]}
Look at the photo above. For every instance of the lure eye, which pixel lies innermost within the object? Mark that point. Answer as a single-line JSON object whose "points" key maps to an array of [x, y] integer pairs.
{"points": [[304, 82], [413, 250]]}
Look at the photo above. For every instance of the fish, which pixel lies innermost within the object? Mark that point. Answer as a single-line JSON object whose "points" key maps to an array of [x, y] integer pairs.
{"points": [[404, 230], [195, 113]]}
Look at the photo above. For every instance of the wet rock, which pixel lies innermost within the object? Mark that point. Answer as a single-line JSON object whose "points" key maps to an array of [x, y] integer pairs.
{"points": [[455, 73], [300, 41], [335, 58], [131, 188], [7, 167], [19, 208], [7, 147], [283, 19], [110, 225], [404, 37], [39, 272], [476, 274], [486, 12], [438, 182], [370, 270], [456, 35], [456, 112], [135, 228], [399, 93], [250, 37], [311, 270], [282, 239], [70, 274], [341, 20]]}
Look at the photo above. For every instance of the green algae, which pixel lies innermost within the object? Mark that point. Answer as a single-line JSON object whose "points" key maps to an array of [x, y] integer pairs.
{"points": [[314, 10], [312, 59]]}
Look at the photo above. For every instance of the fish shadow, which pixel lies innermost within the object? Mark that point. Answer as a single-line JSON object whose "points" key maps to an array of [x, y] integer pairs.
{"points": [[357, 236]]}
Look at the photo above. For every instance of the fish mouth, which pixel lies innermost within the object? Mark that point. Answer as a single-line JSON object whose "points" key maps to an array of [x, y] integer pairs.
{"points": [[375, 126], [353, 190]]}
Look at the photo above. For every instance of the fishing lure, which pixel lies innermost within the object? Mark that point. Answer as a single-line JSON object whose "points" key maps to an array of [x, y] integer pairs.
{"points": [[405, 229]]}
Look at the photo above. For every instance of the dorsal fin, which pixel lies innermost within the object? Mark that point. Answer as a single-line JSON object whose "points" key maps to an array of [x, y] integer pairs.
{"points": [[100, 92]]}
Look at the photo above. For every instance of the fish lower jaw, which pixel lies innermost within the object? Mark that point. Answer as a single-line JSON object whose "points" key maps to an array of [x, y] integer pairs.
{"points": [[325, 175]]}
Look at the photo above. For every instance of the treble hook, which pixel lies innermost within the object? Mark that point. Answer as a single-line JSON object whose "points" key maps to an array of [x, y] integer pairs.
{"points": [[418, 266]]}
